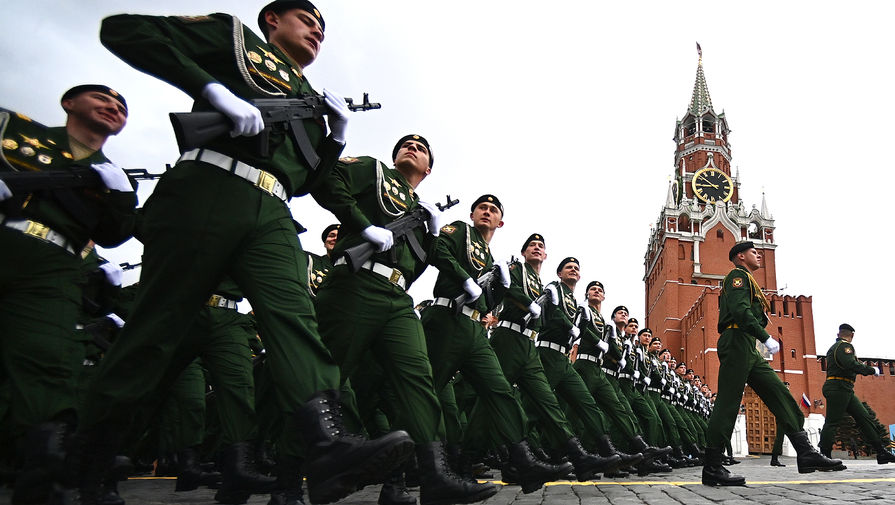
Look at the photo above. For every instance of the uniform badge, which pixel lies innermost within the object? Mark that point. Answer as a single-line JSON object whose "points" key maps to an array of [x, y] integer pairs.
{"points": [[27, 150], [23, 117], [349, 159], [395, 191], [51, 142], [849, 350], [43, 158], [738, 282], [402, 196], [296, 72], [270, 65], [254, 57], [10, 144], [67, 155], [448, 229], [284, 74], [194, 19]]}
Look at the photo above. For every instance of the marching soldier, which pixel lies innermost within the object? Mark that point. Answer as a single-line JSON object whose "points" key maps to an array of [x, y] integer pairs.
{"points": [[741, 322], [839, 390], [319, 266]]}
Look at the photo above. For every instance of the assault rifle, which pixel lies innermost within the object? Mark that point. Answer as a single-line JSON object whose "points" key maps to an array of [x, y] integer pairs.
{"points": [[489, 282], [130, 266], [75, 177], [542, 301], [404, 227], [196, 129]]}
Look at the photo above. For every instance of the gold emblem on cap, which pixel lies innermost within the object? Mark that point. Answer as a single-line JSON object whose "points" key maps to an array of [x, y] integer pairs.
{"points": [[316, 13], [43, 158], [490, 199], [254, 57], [270, 65], [10, 144], [416, 137], [27, 150], [113, 92]]}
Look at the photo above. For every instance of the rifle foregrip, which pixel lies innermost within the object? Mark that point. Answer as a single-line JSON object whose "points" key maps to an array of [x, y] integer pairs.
{"points": [[358, 255], [195, 129]]}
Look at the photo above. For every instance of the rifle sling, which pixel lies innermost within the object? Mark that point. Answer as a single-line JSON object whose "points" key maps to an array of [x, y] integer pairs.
{"points": [[300, 136], [415, 246]]}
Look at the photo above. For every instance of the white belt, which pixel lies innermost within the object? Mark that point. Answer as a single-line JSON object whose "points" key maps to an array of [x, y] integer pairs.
{"points": [[654, 390], [39, 231], [518, 328], [221, 302], [551, 345], [625, 376], [392, 274], [610, 372], [468, 312], [589, 357], [265, 181]]}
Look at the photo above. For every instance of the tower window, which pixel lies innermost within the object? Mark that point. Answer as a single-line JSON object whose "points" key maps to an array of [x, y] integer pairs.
{"points": [[708, 127], [720, 234]]}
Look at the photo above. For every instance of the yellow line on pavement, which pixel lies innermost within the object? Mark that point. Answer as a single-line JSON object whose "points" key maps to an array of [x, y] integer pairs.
{"points": [[695, 482]]}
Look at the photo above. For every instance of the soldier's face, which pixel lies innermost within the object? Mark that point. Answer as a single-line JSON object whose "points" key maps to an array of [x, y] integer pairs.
{"points": [[413, 157], [330, 242], [645, 338], [570, 271], [535, 252], [487, 215], [681, 370], [99, 111], [750, 259], [620, 317], [595, 295], [297, 33], [631, 328], [655, 346]]}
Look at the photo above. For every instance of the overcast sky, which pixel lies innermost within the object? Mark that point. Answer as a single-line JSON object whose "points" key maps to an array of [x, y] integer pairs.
{"points": [[566, 111]]}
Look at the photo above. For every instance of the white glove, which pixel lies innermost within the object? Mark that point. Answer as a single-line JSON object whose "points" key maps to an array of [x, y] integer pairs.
{"points": [[115, 319], [647, 381], [382, 238], [636, 374], [535, 310], [435, 217], [622, 364], [602, 346], [587, 315], [5, 192], [246, 117], [772, 345], [554, 295], [664, 382], [338, 116], [113, 176], [876, 371], [686, 398], [504, 269], [472, 289], [113, 273], [574, 332]]}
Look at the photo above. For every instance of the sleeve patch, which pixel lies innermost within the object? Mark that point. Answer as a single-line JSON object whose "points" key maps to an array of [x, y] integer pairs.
{"points": [[348, 159], [848, 350], [449, 229], [738, 282]]}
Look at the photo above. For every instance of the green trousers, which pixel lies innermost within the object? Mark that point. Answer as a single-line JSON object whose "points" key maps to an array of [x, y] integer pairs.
{"points": [[645, 412], [199, 224], [684, 427], [39, 304], [741, 364], [457, 343], [841, 400], [778, 441], [606, 393], [669, 424], [182, 416], [363, 316]]}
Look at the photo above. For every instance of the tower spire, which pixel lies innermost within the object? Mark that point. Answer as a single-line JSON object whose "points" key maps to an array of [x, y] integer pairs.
{"points": [[701, 100]]}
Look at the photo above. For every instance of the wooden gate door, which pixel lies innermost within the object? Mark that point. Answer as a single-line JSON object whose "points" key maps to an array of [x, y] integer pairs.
{"points": [[761, 426]]}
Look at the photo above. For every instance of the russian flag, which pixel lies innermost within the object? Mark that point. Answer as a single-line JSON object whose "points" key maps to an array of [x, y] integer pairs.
{"points": [[806, 401]]}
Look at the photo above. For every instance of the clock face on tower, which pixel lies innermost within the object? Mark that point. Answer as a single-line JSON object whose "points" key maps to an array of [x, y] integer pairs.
{"points": [[712, 185]]}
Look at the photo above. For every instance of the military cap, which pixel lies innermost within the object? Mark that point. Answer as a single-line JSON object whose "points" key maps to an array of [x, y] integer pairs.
{"points": [[738, 248], [655, 339], [533, 237], [663, 351], [633, 320], [490, 199], [689, 371], [620, 307], [595, 283], [846, 327], [279, 6], [681, 364], [564, 261], [644, 330], [327, 230], [417, 138], [83, 88]]}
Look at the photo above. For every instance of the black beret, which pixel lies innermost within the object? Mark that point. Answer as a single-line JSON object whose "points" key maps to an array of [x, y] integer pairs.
{"points": [[620, 307], [846, 327], [595, 283], [531, 238], [327, 230], [487, 198], [654, 339], [644, 330], [681, 364], [633, 320], [740, 247], [418, 138], [282, 5], [663, 351], [83, 88], [567, 260], [689, 371]]}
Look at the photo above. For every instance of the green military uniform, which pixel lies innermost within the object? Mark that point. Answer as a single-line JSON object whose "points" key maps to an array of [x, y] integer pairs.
{"points": [[43, 235], [459, 341], [318, 268], [741, 323], [839, 390], [632, 386], [366, 312], [654, 393], [671, 396], [202, 222]]}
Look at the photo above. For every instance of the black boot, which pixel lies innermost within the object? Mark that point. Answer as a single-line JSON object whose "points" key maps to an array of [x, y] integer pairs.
{"points": [[43, 463], [338, 460], [678, 453], [606, 448], [588, 465], [676, 458], [714, 474], [263, 459], [649, 452], [89, 459], [731, 461], [695, 452], [289, 482], [807, 457], [883, 456], [775, 461], [439, 485], [190, 475], [240, 479], [532, 473], [109, 494], [394, 490]]}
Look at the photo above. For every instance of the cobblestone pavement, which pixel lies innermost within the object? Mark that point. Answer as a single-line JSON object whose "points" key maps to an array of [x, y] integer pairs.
{"points": [[864, 482]]}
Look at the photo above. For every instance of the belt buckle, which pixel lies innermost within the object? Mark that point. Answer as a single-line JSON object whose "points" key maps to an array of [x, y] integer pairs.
{"points": [[214, 300], [395, 276], [266, 182], [38, 230], [475, 315], [533, 336]]}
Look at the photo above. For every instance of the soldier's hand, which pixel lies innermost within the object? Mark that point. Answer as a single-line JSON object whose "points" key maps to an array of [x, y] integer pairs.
{"points": [[772, 345], [554, 295], [647, 381], [602, 345], [113, 176], [587, 315], [338, 116], [5, 192], [574, 332], [435, 217], [535, 310], [380, 237], [115, 319], [246, 117], [113, 273], [504, 269], [472, 290], [622, 364]]}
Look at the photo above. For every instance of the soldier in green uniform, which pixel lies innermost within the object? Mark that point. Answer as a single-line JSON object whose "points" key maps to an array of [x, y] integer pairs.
{"points": [[458, 342], [369, 313], [222, 210], [669, 395], [741, 322], [513, 342], [839, 390], [654, 389], [43, 236], [319, 266]]}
